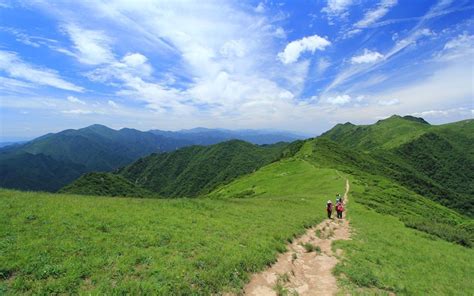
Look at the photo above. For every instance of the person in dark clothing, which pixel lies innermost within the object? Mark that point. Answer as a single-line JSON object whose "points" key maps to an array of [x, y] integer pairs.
{"points": [[329, 208]]}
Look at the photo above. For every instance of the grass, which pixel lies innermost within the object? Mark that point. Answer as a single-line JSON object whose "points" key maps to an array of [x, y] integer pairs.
{"points": [[280, 288], [68, 244], [415, 211], [385, 256], [311, 248]]}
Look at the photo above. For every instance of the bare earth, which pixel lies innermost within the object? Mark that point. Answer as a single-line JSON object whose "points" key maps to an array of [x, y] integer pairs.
{"points": [[298, 272]]}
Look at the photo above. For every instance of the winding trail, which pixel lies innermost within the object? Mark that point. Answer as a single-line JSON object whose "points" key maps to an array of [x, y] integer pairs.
{"points": [[299, 272]]}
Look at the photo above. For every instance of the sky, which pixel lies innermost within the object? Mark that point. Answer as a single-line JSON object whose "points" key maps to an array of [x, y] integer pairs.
{"points": [[297, 65]]}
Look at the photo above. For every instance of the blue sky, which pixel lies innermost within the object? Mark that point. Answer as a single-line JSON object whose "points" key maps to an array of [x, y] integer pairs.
{"points": [[295, 65]]}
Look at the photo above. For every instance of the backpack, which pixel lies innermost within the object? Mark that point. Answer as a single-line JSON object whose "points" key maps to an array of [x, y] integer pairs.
{"points": [[339, 207]]}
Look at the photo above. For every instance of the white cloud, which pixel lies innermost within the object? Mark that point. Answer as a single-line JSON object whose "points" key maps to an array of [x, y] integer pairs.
{"points": [[130, 66], [409, 40], [337, 7], [14, 85], [437, 113], [356, 69], [339, 100], [447, 85], [233, 49], [461, 46], [295, 48], [73, 99], [352, 32], [373, 15], [322, 65], [77, 111], [260, 8], [136, 63], [367, 57], [134, 59], [15, 67], [225, 62], [4, 4], [22, 37], [389, 102], [460, 41], [112, 104], [279, 33], [91, 47]]}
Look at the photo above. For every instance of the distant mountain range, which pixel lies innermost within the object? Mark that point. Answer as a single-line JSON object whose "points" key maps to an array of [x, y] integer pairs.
{"points": [[11, 143], [54, 160], [204, 136]]}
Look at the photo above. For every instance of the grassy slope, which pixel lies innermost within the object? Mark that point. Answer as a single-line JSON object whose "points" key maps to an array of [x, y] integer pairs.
{"points": [[68, 244], [385, 134], [435, 161], [196, 170], [384, 255], [387, 196], [105, 184]]}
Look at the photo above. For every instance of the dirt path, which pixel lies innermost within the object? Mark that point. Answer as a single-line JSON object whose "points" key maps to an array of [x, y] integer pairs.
{"points": [[302, 272]]}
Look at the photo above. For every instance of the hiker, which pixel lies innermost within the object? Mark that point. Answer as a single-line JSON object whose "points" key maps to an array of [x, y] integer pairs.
{"points": [[339, 198], [339, 209], [329, 208]]}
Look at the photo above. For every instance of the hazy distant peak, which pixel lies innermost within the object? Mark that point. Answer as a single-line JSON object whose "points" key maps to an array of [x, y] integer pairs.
{"points": [[406, 117], [97, 127]]}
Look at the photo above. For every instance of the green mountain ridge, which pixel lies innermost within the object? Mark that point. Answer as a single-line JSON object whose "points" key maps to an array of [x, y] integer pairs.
{"points": [[384, 134], [190, 171], [99, 148], [435, 161]]}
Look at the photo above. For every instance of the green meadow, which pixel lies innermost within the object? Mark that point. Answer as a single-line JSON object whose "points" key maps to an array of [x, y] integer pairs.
{"points": [[56, 243], [384, 256]]}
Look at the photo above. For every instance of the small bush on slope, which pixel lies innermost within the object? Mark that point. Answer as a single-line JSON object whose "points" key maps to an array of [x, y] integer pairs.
{"points": [[105, 184]]}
